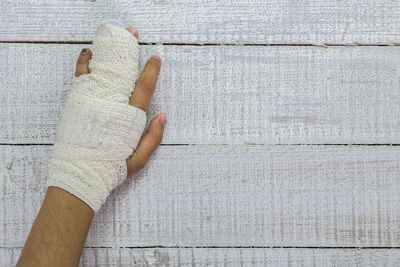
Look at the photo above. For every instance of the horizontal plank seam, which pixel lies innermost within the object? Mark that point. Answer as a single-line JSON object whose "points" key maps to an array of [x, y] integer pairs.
{"points": [[233, 247], [206, 44], [218, 144]]}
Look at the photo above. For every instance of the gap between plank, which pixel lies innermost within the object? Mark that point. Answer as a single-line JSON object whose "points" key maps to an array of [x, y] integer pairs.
{"points": [[236, 247], [203, 44], [220, 144]]}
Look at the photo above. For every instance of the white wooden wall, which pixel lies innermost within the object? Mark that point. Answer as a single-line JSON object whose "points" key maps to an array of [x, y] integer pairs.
{"points": [[282, 117]]}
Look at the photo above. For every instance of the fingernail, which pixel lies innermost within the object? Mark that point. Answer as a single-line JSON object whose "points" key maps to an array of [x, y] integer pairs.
{"points": [[163, 120], [84, 51], [133, 31], [156, 57]]}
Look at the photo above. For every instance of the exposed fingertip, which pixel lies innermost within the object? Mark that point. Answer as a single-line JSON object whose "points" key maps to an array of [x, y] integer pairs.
{"points": [[133, 31], [85, 52], [163, 119], [82, 64], [156, 57]]}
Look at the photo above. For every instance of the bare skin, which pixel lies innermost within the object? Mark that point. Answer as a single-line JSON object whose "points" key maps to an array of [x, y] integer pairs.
{"points": [[61, 226]]}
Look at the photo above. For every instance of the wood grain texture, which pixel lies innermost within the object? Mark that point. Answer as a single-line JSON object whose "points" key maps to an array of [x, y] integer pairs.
{"points": [[227, 257], [224, 94], [322, 196], [210, 21]]}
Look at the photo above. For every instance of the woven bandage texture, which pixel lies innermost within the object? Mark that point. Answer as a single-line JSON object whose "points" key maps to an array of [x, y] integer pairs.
{"points": [[98, 129]]}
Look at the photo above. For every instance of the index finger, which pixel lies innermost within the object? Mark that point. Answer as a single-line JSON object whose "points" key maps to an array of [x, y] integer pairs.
{"points": [[146, 84]]}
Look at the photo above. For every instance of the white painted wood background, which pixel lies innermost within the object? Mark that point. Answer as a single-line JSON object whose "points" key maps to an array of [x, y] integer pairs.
{"points": [[225, 94], [284, 155], [208, 21]]}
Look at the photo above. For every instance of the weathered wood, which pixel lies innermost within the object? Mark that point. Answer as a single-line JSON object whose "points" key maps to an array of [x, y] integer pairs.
{"points": [[224, 94], [227, 257], [211, 21], [228, 196]]}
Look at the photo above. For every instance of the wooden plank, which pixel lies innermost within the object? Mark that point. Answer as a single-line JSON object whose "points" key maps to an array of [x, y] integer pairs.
{"points": [[224, 94], [332, 196], [212, 21], [226, 257]]}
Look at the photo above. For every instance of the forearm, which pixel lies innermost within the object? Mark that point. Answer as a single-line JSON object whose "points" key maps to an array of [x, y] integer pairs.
{"points": [[59, 232]]}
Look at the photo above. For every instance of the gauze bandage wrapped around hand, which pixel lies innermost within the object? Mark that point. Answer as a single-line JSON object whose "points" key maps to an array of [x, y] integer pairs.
{"points": [[98, 129]]}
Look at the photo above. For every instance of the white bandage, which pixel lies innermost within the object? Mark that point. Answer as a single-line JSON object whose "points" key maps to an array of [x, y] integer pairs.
{"points": [[98, 129]]}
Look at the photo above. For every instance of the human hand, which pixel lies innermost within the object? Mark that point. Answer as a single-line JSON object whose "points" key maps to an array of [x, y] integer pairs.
{"points": [[97, 142], [141, 98]]}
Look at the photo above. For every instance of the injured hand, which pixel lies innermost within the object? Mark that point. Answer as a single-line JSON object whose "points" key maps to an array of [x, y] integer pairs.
{"points": [[99, 128]]}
